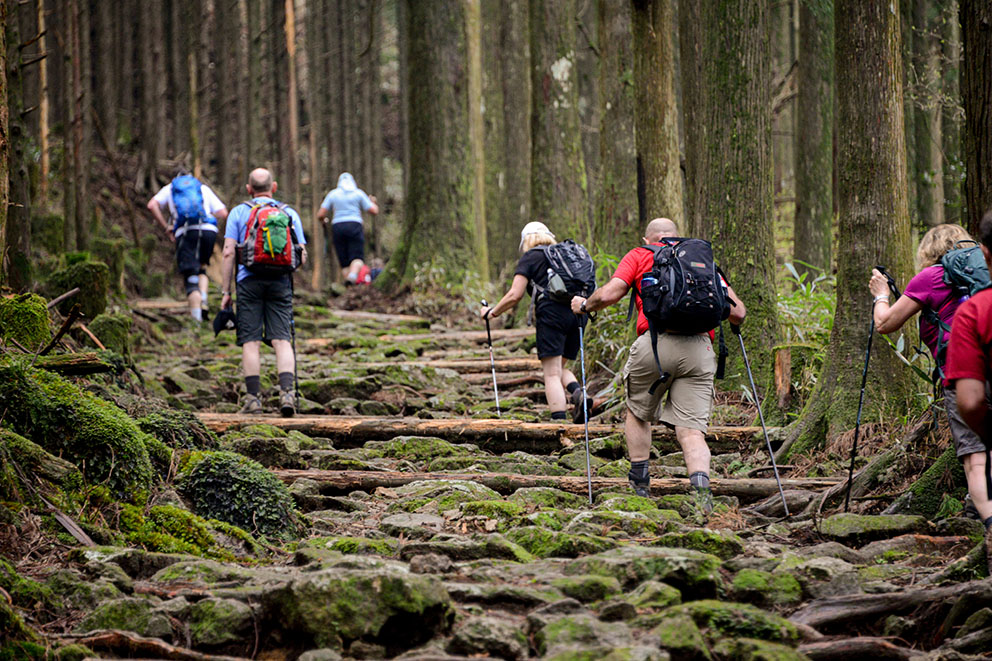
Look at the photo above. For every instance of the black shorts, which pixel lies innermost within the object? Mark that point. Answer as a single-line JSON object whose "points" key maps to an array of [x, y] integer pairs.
{"points": [[265, 309], [349, 242], [194, 250], [557, 330]]}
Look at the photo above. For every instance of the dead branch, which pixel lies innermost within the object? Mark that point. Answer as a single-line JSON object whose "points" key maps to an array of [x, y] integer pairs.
{"points": [[74, 314], [854, 648], [127, 644], [58, 299]]}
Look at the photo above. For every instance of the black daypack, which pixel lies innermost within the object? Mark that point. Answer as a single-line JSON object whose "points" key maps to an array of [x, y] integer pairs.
{"points": [[683, 293], [571, 272]]}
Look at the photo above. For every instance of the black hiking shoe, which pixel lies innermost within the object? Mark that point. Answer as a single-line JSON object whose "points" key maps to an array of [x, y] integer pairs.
{"points": [[287, 404], [578, 415], [970, 511], [702, 500]]}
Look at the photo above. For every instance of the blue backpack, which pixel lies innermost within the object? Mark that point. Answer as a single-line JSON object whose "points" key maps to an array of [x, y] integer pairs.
{"points": [[187, 197]]}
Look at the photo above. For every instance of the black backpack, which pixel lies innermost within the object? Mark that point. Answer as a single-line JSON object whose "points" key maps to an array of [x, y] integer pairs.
{"points": [[683, 293], [571, 272]]}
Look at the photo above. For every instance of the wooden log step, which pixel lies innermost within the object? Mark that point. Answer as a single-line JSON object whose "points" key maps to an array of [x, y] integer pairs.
{"points": [[471, 366], [461, 336], [160, 304], [494, 435], [362, 315], [504, 380], [747, 489], [76, 364]]}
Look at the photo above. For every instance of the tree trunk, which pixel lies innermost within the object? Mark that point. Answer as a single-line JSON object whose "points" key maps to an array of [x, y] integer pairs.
{"points": [[617, 225], [874, 221], [291, 169], [951, 122], [17, 265], [587, 68], [976, 95], [659, 175], [815, 139], [477, 135], [730, 172], [4, 141], [558, 173], [927, 114], [439, 227], [43, 105]]}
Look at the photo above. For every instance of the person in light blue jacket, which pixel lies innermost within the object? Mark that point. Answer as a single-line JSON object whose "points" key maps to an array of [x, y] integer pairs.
{"points": [[347, 202]]}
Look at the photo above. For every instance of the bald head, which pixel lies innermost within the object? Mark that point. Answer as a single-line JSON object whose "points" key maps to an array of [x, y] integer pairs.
{"points": [[260, 181], [660, 228]]}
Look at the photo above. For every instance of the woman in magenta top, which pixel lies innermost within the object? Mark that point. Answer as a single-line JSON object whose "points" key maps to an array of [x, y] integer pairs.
{"points": [[928, 290]]}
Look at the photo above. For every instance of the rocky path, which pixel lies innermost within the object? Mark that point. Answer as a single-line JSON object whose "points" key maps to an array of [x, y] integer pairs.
{"points": [[437, 531]]}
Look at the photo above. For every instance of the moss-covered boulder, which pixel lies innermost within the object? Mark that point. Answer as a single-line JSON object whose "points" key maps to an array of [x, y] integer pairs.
{"points": [[93, 280], [720, 619], [654, 595], [333, 607], [178, 429], [489, 637], [547, 497], [580, 632], [217, 622], [324, 390], [114, 332], [722, 544], [418, 448], [850, 528], [31, 459], [686, 570], [24, 318], [70, 422], [635, 524], [925, 495], [475, 547], [446, 494], [27, 593], [234, 489], [749, 649], [128, 614], [548, 543], [348, 546], [681, 638], [587, 588], [766, 588], [168, 529]]}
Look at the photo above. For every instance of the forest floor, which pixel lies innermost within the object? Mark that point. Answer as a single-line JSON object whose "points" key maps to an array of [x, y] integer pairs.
{"points": [[431, 529]]}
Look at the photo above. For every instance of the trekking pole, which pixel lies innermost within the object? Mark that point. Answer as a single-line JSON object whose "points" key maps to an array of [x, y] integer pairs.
{"points": [[761, 416], [861, 397], [585, 409], [492, 360]]}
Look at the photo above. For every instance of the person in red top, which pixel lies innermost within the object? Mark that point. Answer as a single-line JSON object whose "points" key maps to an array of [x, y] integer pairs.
{"points": [[690, 361], [968, 370]]}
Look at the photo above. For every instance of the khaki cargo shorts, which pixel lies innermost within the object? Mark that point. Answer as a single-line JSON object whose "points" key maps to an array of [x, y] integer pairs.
{"points": [[691, 362]]}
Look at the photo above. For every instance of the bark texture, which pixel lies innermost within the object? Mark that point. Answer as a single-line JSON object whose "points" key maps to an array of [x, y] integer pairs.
{"points": [[815, 138], [976, 95], [874, 220], [927, 92]]}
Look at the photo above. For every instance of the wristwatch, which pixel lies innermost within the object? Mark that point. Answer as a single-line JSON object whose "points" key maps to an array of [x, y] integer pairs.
{"points": [[583, 306]]}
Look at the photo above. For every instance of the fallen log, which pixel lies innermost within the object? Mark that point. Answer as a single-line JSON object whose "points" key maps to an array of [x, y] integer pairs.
{"points": [[865, 647], [76, 364], [130, 645], [505, 379], [162, 304], [477, 366], [866, 608], [505, 483], [362, 315], [496, 435]]}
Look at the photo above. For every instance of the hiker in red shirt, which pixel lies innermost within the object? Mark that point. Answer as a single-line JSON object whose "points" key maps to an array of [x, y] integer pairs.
{"points": [[968, 370], [688, 360]]}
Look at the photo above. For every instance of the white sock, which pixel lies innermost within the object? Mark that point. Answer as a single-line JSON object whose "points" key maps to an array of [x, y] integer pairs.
{"points": [[197, 314], [203, 301]]}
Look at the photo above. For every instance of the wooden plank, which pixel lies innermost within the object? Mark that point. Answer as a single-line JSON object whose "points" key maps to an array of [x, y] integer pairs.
{"points": [[498, 435], [747, 489]]}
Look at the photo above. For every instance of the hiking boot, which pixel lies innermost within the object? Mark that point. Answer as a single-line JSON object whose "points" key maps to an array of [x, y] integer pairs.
{"points": [[970, 511], [988, 548], [702, 499], [578, 415], [252, 405], [287, 404], [642, 489]]}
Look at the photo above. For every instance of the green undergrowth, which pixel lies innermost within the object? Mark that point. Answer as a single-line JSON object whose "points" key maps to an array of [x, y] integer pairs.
{"points": [[168, 529], [230, 487]]}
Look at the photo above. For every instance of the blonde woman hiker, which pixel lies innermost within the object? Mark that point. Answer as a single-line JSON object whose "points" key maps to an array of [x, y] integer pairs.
{"points": [[557, 326], [346, 204]]}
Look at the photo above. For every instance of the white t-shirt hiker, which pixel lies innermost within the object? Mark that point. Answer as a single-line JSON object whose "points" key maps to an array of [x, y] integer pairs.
{"points": [[211, 205]]}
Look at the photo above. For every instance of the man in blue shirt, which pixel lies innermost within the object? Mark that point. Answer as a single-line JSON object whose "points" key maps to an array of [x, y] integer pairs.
{"points": [[265, 303]]}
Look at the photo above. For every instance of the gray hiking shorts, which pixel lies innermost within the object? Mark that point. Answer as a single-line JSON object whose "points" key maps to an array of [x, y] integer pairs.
{"points": [[265, 310], [966, 441]]}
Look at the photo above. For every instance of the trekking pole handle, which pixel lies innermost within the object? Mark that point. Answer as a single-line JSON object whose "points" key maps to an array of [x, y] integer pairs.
{"points": [[736, 328], [891, 281]]}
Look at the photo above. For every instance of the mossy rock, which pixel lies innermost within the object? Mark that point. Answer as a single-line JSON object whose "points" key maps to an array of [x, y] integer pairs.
{"points": [[28, 594], [335, 606], [724, 545], [448, 494], [419, 448], [168, 529], [93, 280], [576, 461], [128, 614], [179, 430], [547, 497], [114, 332], [355, 545], [654, 595], [324, 390], [720, 619], [217, 622], [684, 569], [234, 489], [111, 253], [545, 543], [633, 524], [24, 318], [550, 519], [749, 649], [766, 588], [70, 422], [587, 588], [925, 496], [861, 528], [679, 635], [201, 573], [503, 511], [579, 632], [475, 547], [33, 460]]}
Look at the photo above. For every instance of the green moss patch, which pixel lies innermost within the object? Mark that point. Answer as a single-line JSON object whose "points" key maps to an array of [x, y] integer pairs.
{"points": [[766, 588], [93, 280], [724, 545], [587, 588], [24, 318], [114, 332], [720, 619], [546, 543]]}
